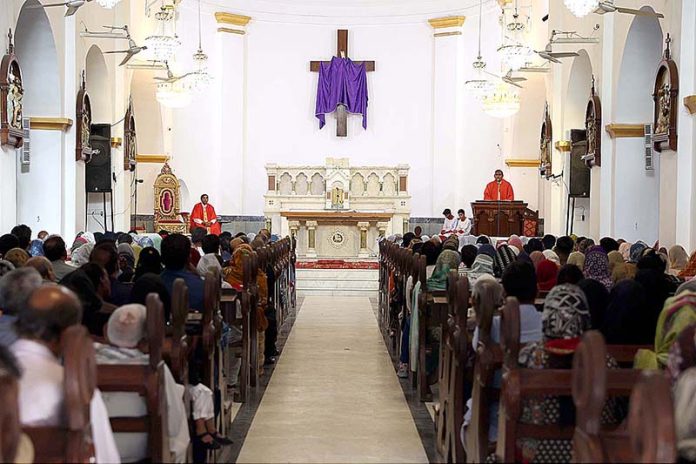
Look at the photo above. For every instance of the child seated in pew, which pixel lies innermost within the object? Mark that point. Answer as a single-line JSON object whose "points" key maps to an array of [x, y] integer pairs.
{"points": [[126, 335]]}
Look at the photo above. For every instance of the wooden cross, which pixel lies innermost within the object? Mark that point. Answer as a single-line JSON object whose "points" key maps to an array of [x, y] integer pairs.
{"points": [[342, 51]]}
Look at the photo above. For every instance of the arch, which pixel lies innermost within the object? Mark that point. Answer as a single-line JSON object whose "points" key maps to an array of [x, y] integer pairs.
{"points": [[637, 191], [39, 185], [98, 85]]}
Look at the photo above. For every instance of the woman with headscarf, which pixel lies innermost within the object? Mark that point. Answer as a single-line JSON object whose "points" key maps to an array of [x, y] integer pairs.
{"points": [[577, 258], [552, 256], [547, 274], [678, 313], [628, 319], [93, 317], [536, 257], [657, 284], [234, 273], [150, 262], [597, 266], [126, 262], [681, 367], [36, 248], [625, 250], [483, 265], [516, 241], [615, 258], [503, 257], [565, 318], [81, 254], [636, 251], [597, 300], [17, 256], [585, 244], [690, 269], [688, 285]]}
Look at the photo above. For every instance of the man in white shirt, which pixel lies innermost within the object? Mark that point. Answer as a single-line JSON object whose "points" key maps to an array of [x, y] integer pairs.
{"points": [[50, 310], [464, 227], [451, 223]]}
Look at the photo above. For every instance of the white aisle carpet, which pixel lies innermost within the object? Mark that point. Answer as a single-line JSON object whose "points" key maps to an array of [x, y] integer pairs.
{"points": [[334, 395]]}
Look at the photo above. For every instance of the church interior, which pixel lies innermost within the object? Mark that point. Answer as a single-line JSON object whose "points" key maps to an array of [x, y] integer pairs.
{"points": [[470, 235]]}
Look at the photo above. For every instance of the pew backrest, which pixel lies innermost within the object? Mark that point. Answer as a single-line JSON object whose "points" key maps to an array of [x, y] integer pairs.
{"points": [[10, 428]]}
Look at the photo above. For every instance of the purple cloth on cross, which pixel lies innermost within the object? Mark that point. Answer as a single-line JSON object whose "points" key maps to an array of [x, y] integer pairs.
{"points": [[341, 82]]}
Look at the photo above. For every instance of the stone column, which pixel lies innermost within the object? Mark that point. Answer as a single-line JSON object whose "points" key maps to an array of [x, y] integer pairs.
{"points": [[382, 228], [232, 118], [364, 252], [311, 239], [294, 226], [610, 68], [448, 111]]}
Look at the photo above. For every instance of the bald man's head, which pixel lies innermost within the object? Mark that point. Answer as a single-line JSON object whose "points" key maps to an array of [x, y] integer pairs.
{"points": [[50, 310]]}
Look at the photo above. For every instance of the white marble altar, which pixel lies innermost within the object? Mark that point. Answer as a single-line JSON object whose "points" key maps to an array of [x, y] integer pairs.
{"points": [[337, 210]]}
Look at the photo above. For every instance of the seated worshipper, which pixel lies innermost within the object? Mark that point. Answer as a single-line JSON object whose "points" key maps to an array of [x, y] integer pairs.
{"points": [[95, 312], [552, 256], [211, 257], [127, 338], [678, 259], [565, 317], [690, 270], [564, 247], [688, 285], [615, 258], [451, 223], [36, 248], [8, 242], [105, 254], [597, 300], [549, 241], [684, 413], [536, 257], [609, 244], [503, 257], [152, 283], [43, 266], [636, 251], [15, 289], [483, 240], [418, 231], [81, 254], [534, 244], [628, 319], [17, 256], [24, 451], [225, 248], [5, 267], [100, 279], [625, 250], [176, 253], [577, 259], [405, 240], [126, 262], [597, 266], [148, 262], [431, 253], [547, 276], [516, 241], [464, 226], [483, 265], [42, 235], [57, 254], [23, 234], [651, 274], [678, 313], [50, 310], [468, 253], [569, 274], [449, 256]]}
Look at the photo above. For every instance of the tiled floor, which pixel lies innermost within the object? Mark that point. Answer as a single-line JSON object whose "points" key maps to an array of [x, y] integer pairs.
{"points": [[333, 396]]}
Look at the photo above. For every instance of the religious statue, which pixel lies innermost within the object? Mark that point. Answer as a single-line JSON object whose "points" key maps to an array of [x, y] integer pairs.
{"points": [[337, 197], [591, 130], [15, 94], [663, 110], [86, 123]]}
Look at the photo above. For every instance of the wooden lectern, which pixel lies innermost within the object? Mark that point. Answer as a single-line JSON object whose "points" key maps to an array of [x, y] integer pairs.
{"points": [[503, 218]]}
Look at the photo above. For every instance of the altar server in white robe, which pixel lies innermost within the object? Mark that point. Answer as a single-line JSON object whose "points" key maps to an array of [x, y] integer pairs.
{"points": [[451, 223]]}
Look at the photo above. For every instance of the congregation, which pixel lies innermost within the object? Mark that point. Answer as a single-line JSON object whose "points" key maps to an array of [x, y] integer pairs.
{"points": [[125, 291], [561, 293]]}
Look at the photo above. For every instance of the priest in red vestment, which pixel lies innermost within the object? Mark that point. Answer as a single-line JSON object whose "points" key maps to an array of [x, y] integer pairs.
{"points": [[203, 215], [499, 189]]}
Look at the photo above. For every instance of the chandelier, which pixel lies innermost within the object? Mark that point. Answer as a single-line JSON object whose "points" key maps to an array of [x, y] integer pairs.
{"points": [[502, 103], [480, 86], [173, 94], [581, 8], [515, 53], [199, 79], [109, 4], [163, 46]]}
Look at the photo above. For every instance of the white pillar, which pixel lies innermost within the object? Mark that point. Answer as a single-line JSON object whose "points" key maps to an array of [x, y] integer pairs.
{"points": [[686, 125], [70, 168], [232, 120], [448, 111], [606, 179]]}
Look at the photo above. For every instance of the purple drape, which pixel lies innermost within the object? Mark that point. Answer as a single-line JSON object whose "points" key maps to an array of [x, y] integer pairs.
{"points": [[341, 81]]}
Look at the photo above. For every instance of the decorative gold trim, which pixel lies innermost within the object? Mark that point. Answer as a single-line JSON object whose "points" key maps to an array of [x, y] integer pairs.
{"points": [[116, 142], [522, 163], [502, 3], [449, 21], [43, 123], [563, 145], [617, 131], [233, 19], [151, 158], [690, 103], [446, 34], [231, 31]]}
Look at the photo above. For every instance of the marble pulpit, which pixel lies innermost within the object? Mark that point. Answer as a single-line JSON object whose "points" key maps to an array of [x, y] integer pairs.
{"points": [[337, 211]]}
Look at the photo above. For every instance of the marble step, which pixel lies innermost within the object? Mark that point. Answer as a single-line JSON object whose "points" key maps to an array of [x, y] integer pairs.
{"points": [[337, 282]]}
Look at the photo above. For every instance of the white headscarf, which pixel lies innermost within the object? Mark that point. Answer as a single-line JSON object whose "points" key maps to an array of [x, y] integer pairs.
{"points": [[126, 326]]}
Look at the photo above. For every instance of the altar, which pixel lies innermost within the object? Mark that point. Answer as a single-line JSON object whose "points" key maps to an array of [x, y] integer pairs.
{"points": [[337, 210]]}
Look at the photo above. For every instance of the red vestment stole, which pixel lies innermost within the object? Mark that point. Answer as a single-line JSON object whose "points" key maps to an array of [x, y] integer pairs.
{"points": [[201, 214], [492, 189]]}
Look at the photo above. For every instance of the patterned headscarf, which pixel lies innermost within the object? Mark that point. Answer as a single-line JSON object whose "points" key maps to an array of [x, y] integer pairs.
{"points": [[577, 258], [685, 419], [36, 248], [566, 314], [483, 264], [448, 258], [597, 266], [552, 256], [503, 257], [637, 251], [81, 255]]}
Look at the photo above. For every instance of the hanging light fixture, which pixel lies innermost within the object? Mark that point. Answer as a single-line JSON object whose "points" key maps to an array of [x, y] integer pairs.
{"points": [[515, 53], [162, 46], [108, 4], [199, 79], [503, 102], [173, 94], [581, 8], [480, 86]]}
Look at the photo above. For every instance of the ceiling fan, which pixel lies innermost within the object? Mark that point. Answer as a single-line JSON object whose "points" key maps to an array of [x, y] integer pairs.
{"points": [[607, 6], [133, 49], [548, 54], [171, 78], [73, 6], [508, 78]]}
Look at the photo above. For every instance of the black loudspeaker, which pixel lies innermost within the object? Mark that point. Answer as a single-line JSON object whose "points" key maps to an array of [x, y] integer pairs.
{"points": [[579, 172], [98, 169]]}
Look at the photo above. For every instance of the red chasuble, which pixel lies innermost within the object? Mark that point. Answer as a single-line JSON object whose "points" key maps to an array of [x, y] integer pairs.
{"points": [[202, 214], [502, 191]]}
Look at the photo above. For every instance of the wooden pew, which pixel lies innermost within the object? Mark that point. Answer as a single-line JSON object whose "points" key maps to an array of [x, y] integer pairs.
{"points": [[149, 382], [228, 303], [176, 344], [249, 298], [10, 427], [71, 442], [650, 434]]}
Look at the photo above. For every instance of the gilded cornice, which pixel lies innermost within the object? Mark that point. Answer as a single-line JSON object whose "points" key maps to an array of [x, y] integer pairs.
{"points": [[690, 103], [449, 21], [157, 158], [232, 19], [44, 123], [617, 131], [522, 163]]}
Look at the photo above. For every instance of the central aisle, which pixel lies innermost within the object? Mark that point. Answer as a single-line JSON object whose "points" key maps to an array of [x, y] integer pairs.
{"points": [[334, 395]]}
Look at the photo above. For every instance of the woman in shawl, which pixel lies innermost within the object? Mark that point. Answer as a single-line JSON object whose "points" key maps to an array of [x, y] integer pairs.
{"points": [[36, 248], [233, 274], [690, 270], [597, 299], [614, 259], [503, 257], [483, 265], [553, 257], [636, 251], [547, 274], [536, 257], [126, 262], [577, 259], [565, 317], [150, 262], [81, 254], [516, 241], [597, 266], [628, 319], [625, 250]]}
